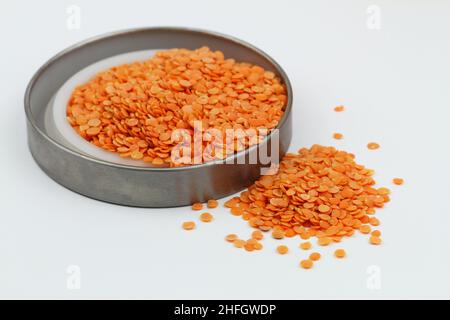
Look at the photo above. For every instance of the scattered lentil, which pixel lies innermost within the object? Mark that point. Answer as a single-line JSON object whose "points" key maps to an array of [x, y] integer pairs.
{"points": [[339, 108], [197, 206], [338, 136], [373, 146], [339, 253], [376, 233], [188, 225], [375, 240], [238, 243], [212, 203], [398, 181], [282, 249], [306, 264], [231, 237], [305, 245], [314, 256], [206, 217]]}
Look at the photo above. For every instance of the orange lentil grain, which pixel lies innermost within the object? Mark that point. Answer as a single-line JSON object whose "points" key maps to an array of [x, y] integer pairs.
{"points": [[375, 240], [339, 253], [376, 233], [231, 237], [305, 245], [188, 225], [238, 243], [324, 241], [373, 145], [282, 249], [314, 256], [206, 217], [257, 235], [249, 246], [258, 246], [338, 136], [374, 221], [364, 228], [339, 108], [212, 204], [197, 206], [398, 181], [277, 234], [306, 264]]}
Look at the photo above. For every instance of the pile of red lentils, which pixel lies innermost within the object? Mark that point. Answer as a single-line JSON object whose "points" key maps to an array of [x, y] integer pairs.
{"points": [[318, 192], [133, 109]]}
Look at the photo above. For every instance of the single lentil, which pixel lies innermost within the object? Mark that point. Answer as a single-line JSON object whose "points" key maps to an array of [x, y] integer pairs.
{"points": [[206, 217], [373, 145], [306, 264], [282, 249], [197, 206], [212, 204], [305, 245], [340, 253], [231, 237], [375, 240], [314, 256], [376, 233], [338, 136], [188, 225]]}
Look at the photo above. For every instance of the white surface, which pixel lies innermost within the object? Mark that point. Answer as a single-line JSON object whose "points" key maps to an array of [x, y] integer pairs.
{"points": [[56, 118], [394, 82]]}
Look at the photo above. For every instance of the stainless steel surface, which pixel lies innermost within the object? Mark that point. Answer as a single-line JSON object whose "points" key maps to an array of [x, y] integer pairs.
{"points": [[137, 186]]}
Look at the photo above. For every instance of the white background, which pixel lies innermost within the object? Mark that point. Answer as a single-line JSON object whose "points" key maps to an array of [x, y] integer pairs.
{"points": [[394, 83]]}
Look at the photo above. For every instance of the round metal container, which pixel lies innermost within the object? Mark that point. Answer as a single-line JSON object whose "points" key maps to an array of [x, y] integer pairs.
{"points": [[133, 185]]}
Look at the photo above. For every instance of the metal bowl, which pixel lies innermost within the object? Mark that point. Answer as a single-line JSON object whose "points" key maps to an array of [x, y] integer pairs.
{"points": [[133, 185]]}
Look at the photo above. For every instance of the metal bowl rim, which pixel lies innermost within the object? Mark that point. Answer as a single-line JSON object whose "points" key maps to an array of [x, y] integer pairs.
{"points": [[94, 39]]}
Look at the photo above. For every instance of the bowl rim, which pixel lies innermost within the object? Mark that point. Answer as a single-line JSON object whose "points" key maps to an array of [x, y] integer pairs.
{"points": [[93, 40]]}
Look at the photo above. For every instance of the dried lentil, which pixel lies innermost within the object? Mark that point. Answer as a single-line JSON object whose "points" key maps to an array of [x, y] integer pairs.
{"points": [[373, 145], [338, 136], [340, 253], [212, 203], [188, 225], [314, 256], [206, 217], [197, 206], [305, 245], [282, 249], [231, 237], [306, 264], [375, 240]]}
